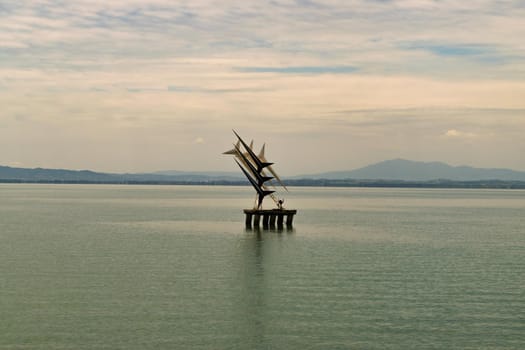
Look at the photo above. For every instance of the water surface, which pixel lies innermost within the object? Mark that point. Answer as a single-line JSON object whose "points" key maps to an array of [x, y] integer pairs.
{"points": [[165, 267]]}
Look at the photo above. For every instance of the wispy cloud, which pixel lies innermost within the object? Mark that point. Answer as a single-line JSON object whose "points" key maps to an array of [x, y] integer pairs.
{"points": [[489, 54], [301, 69], [453, 133], [199, 141], [209, 90], [456, 49], [122, 70], [306, 37]]}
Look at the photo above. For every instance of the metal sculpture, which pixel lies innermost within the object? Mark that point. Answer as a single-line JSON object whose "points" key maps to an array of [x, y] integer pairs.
{"points": [[254, 168]]}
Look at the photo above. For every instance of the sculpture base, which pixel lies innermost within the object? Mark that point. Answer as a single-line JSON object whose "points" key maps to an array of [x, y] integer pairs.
{"points": [[271, 218]]}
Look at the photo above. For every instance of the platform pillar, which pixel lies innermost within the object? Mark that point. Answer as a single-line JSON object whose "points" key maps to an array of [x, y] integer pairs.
{"points": [[249, 220], [289, 219], [256, 219], [270, 217], [272, 220], [280, 218]]}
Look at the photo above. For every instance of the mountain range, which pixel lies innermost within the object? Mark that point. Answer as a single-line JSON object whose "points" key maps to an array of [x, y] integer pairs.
{"points": [[407, 170], [389, 170], [10, 174]]}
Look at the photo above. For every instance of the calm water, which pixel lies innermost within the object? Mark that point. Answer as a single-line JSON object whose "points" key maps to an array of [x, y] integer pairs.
{"points": [[167, 267]]}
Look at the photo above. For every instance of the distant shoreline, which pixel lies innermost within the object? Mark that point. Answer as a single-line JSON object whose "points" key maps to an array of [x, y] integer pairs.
{"points": [[478, 184]]}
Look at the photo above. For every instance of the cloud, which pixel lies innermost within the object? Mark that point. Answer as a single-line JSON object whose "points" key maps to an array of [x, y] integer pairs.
{"points": [[301, 69], [487, 54], [121, 71], [453, 133], [296, 37], [456, 50], [199, 141], [210, 90]]}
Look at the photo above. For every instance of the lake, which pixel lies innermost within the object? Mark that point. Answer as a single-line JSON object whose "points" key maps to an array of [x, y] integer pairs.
{"points": [[172, 267]]}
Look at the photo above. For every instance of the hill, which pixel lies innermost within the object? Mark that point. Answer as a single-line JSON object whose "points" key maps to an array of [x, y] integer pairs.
{"points": [[407, 170], [50, 175], [390, 173], [9, 174]]}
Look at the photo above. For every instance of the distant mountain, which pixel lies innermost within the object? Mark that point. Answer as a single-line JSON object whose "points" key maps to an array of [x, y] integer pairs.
{"points": [[9, 174], [390, 170], [215, 175], [40, 174], [407, 170]]}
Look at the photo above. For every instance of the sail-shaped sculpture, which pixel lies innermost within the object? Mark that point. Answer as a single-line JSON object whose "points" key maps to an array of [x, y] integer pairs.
{"points": [[236, 151], [270, 169], [257, 170], [254, 168], [260, 164], [261, 192]]}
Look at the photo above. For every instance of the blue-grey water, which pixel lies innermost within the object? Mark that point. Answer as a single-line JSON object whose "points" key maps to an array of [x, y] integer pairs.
{"points": [[169, 267]]}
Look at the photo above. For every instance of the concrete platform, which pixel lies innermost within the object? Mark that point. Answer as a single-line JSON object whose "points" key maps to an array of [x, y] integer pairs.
{"points": [[271, 218]]}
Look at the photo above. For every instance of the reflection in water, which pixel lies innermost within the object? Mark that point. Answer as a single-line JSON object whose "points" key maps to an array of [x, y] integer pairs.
{"points": [[255, 252], [259, 231], [252, 298]]}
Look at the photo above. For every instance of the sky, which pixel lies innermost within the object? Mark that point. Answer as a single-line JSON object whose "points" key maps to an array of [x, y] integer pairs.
{"points": [[138, 86]]}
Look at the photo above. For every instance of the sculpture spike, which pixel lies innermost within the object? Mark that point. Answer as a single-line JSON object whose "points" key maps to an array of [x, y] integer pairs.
{"points": [[260, 191], [261, 152], [260, 165], [270, 168], [260, 178], [232, 151]]}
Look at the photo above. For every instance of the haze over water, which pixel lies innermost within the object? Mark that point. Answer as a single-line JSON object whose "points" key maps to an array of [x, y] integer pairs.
{"points": [[165, 267]]}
